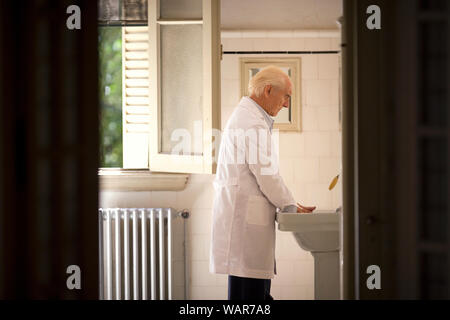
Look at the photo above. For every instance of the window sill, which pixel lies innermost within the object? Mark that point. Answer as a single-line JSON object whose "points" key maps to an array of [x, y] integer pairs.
{"points": [[115, 179]]}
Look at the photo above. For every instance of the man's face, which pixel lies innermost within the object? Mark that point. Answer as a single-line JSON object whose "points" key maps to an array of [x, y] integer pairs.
{"points": [[278, 98]]}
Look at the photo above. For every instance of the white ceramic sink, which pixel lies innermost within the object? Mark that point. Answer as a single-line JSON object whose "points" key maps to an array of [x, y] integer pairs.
{"points": [[318, 232], [315, 232]]}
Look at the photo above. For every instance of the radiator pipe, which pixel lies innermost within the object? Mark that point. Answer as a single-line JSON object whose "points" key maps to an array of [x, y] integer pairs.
{"points": [[161, 256], [185, 214], [108, 256], [135, 257], [169, 254], [118, 256], [152, 255], [126, 253], [144, 255]]}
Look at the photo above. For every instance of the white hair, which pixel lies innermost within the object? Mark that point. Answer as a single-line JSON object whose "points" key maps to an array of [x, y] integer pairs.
{"points": [[270, 75]]}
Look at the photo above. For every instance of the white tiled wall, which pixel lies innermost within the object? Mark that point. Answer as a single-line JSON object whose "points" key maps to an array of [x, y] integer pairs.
{"points": [[308, 161]]}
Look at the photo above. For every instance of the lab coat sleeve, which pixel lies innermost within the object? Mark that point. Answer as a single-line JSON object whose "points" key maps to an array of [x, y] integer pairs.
{"points": [[290, 209], [265, 168]]}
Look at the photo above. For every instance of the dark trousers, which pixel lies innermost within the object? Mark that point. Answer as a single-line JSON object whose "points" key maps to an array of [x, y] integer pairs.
{"points": [[240, 288]]}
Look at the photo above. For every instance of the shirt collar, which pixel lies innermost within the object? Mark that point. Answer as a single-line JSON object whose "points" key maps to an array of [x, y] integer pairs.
{"points": [[267, 117]]}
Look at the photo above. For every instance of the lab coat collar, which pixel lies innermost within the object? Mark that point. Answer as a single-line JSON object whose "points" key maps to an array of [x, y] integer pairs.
{"points": [[251, 105]]}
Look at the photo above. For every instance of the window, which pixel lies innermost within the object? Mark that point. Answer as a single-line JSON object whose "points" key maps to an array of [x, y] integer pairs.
{"points": [[123, 57], [170, 83], [110, 90]]}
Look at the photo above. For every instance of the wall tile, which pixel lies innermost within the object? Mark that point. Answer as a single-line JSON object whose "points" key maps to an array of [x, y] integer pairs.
{"points": [[231, 92], [291, 144], [287, 170], [227, 44], [222, 280], [282, 34], [303, 91], [122, 199], [318, 44], [310, 68], [317, 194], [198, 247], [226, 34], [238, 44], [332, 34], [334, 92], [281, 252], [309, 293], [336, 44], [319, 93], [266, 44], [306, 170], [254, 34], [317, 144], [306, 34], [196, 196], [294, 44], [285, 273], [328, 169], [200, 275], [328, 66], [309, 119], [164, 199], [106, 199], [229, 67], [290, 292], [220, 292], [336, 144], [199, 222], [304, 271], [327, 118], [207, 293], [299, 192]]}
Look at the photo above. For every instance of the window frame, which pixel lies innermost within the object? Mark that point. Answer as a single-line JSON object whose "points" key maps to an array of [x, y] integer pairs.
{"points": [[171, 172], [211, 91]]}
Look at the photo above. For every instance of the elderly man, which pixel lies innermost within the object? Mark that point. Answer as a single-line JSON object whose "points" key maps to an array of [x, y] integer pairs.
{"points": [[249, 189]]}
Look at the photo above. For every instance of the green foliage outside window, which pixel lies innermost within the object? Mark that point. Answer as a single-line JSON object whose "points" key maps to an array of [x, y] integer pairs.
{"points": [[110, 82]]}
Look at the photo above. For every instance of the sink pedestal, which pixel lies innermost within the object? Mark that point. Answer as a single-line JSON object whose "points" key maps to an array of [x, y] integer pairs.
{"points": [[326, 275]]}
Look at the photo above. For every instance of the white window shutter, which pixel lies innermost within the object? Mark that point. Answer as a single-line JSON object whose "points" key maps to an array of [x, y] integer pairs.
{"points": [[135, 98]]}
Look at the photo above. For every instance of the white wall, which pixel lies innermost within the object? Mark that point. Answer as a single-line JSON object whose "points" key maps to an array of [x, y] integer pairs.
{"points": [[308, 161]]}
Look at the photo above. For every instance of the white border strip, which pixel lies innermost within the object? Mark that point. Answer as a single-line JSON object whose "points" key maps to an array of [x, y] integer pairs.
{"points": [[280, 34]]}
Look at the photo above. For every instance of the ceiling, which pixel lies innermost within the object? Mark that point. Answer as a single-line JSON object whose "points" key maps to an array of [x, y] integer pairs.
{"points": [[280, 14]]}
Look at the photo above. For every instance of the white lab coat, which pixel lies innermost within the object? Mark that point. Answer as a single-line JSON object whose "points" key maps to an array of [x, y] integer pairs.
{"points": [[247, 194]]}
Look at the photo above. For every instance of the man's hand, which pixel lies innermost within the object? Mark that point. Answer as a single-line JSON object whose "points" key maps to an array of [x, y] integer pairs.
{"points": [[303, 209]]}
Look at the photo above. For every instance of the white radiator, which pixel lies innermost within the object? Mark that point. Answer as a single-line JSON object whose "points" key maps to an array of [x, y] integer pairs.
{"points": [[140, 248]]}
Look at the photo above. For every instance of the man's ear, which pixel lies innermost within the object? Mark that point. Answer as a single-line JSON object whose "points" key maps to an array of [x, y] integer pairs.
{"points": [[267, 89]]}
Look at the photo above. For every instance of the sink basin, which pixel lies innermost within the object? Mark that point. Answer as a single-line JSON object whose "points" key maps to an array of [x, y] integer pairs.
{"points": [[315, 232], [318, 232]]}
